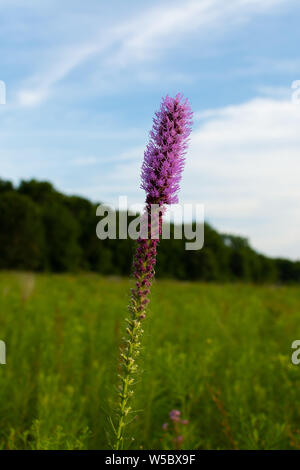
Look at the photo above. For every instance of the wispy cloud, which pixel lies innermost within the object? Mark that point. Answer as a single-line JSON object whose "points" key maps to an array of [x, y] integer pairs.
{"points": [[141, 38], [84, 161], [244, 166], [132, 155], [161, 28], [39, 86]]}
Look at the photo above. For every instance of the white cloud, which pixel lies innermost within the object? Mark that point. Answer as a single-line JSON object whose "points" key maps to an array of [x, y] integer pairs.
{"points": [[244, 165], [130, 156], [84, 161], [32, 97], [39, 86], [161, 28], [142, 38], [275, 92]]}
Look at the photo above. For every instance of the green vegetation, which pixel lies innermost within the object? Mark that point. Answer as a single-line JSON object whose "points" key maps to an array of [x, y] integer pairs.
{"points": [[44, 230], [218, 353]]}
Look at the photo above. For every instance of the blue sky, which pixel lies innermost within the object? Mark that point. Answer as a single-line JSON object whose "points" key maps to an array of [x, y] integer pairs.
{"points": [[84, 79]]}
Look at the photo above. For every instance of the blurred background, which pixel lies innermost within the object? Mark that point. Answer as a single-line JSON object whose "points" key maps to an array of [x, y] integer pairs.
{"points": [[83, 81]]}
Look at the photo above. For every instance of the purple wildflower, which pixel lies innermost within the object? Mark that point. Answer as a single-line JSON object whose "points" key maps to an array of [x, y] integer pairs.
{"points": [[174, 415], [179, 439], [175, 428], [164, 155], [161, 173]]}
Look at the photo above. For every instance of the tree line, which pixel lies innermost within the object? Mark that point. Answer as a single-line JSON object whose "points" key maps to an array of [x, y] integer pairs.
{"points": [[42, 229]]}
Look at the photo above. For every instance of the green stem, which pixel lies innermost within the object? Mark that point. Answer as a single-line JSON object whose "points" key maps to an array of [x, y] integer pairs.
{"points": [[129, 355], [129, 368]]}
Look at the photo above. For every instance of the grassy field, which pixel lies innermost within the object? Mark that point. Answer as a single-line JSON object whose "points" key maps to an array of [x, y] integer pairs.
{"points": [[219, 354]]}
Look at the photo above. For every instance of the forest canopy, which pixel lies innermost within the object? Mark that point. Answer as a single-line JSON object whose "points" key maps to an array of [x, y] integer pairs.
{"points": [[44, 230]]}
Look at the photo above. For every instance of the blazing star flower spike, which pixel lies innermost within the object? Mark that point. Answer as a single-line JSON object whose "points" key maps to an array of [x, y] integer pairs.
{"points": [[165, 154], [161, 173]]}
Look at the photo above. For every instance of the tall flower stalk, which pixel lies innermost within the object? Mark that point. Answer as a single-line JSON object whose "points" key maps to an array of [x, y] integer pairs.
{"points": [[161, 173]]}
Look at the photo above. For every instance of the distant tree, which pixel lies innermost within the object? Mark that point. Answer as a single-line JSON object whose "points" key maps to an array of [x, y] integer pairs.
{"points": [[103, 256], [171, 260], [288, 271], [22, 242], [270, 270], [121, 250], [84, 212], [41, 228], [39, 192], [214, 241], [209, 263], [5, 186], [61, 233]]}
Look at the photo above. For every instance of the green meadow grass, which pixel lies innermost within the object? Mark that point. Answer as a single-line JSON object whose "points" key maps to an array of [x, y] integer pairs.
{"points": [[221, 354]]}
